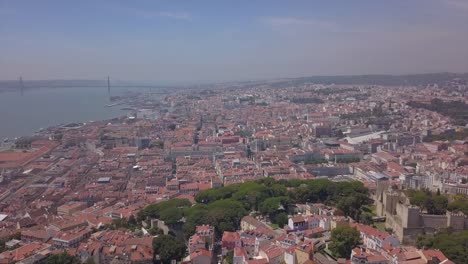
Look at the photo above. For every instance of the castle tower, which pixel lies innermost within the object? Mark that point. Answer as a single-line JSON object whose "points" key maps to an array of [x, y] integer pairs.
{"points": [[411, 217], [456, 221]]}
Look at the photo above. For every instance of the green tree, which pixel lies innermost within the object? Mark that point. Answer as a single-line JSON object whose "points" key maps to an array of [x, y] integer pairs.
{"points": [[419, 198], [62, 258], [171, 216], [212, 195], [351, 205], [158, 210], [274, 205], [270, 197], [433, 203], [155, 231], [159, 144], [196, 215], [281, 219], [90, 261], [251, 194], [366, 218], [343, 240], [168, 248], [423, 241], [267, 181], [278, 190], [223, 215], [229, 258], [459, 204], [440, 204], [453, 245], [223, 219], [132, 221], [119, 223]]}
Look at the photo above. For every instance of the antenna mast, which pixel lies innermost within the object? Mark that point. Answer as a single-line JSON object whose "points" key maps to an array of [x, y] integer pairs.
{"points": [[108, 85], [21, 84]]}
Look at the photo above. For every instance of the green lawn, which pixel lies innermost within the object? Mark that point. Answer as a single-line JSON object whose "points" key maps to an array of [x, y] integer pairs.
{"points": [[274, 226], [380, 226], [370, 209], [8, 150]]}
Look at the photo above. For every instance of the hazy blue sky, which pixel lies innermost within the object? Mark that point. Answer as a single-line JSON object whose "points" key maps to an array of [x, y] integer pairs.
{"points": [[230, 40]]}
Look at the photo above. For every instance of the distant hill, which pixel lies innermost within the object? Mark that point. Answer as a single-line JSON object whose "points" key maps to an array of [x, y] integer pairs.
{"points": [[371, 79], [28, 84], [14, 85], [379, 79]]}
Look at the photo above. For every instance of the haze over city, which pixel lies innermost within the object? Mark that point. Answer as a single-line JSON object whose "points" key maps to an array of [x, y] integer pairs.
{"points": [[230, 40], [234, 132]]}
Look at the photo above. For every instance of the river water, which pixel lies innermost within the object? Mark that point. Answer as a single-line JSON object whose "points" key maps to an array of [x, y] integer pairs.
{"points": [[23, 114]]}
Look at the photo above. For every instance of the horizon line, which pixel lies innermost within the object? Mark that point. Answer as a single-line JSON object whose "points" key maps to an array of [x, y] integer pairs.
{"points": [[239, 80]]}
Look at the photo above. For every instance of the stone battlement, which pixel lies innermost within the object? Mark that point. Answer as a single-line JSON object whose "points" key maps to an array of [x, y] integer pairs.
{"points": [[407, 221]]}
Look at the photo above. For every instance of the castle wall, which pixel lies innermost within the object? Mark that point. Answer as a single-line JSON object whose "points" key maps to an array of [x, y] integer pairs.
{"points": [[407, 221], [392, 203], [434, 221], [402, 214], [412, 217], [410, 235], [457, 221], [379, 208], [392, 222]]}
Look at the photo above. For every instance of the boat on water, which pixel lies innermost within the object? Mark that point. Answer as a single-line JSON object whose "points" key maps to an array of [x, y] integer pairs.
{"points": [[114, 104], [128, 108]]}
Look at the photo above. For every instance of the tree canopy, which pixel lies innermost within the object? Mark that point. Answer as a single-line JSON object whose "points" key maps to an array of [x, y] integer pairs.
{"points": [[62, 258], [437, 203], [169, 211], [216, 215], [457, 110], [459, 204], [343, 240], [454, 246], [273, 199], [168, 248]]}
